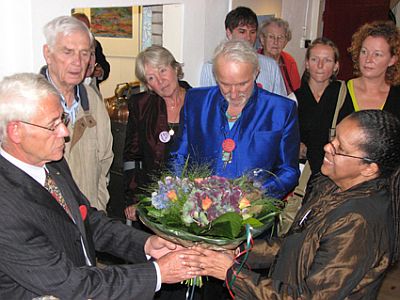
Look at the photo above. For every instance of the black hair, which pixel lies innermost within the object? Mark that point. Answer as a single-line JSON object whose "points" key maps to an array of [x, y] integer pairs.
{"points": [[240, 16], [382, 145]]}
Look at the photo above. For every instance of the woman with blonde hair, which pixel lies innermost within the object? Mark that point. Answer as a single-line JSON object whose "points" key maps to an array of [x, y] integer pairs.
{"points": [[153, 120], [317, 98]]}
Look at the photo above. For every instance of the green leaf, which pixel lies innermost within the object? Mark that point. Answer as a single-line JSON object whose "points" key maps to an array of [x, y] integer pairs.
{"points": [[227, 225], [252, 222]]}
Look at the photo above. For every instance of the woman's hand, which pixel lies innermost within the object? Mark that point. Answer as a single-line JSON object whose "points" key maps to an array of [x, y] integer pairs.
{"points": [[210, 263]]}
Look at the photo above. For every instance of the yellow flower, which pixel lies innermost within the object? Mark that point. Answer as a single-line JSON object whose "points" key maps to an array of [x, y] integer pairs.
{"points": [[172, 196], [244, 202], [206, 203]]}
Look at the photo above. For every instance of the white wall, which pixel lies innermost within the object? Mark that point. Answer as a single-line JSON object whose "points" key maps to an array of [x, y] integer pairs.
{"points": [[269, 7], [295, 12], [23, 20], [298, 16], [202, 27]]}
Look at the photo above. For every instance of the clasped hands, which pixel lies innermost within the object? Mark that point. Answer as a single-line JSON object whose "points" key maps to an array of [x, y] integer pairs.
{"points": [[177, 263]]}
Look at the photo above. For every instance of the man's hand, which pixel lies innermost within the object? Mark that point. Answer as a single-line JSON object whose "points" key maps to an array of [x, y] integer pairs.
{"points": [[98, 71], [157, 247], [173, 269]]}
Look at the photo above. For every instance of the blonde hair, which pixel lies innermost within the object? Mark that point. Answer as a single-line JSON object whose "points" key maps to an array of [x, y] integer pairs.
{"points": [[155, 56]]}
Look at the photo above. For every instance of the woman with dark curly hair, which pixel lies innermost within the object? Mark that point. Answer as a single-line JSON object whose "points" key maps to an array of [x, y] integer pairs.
{"points": [[375, 50], [345, 236]]}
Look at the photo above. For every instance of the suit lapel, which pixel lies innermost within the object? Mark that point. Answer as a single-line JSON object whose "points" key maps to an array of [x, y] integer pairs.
{"points": [[33, 191], [64, 184]]}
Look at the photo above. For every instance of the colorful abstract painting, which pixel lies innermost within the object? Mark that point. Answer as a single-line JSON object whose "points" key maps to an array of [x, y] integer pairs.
{"points": [[115, 22]]}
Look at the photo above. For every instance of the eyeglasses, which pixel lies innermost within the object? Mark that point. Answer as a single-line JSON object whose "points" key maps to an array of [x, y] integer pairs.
{"points": [[348, 155], [332, 135], [64, 120], [278, 38]]}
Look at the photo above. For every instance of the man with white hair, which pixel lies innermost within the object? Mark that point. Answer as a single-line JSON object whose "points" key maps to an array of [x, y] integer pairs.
{"points": [[89, 153], [49, 232], [237, 127]]}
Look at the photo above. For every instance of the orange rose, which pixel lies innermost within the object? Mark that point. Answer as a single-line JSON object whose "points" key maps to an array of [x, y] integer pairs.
{"points": [[172, 196], [198, 180], [206, 203], [244, 202]]}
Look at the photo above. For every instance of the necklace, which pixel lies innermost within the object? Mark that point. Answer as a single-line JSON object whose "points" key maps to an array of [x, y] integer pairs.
{"points": [[171, 130], [232, 118], [177, 105]]}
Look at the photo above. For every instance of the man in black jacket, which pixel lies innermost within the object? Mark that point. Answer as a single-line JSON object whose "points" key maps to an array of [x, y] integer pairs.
{"points": [[49, 230]]}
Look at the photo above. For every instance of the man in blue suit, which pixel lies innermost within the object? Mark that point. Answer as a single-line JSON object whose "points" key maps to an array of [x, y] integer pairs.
{"points": [[49, 232], [237, 127]]}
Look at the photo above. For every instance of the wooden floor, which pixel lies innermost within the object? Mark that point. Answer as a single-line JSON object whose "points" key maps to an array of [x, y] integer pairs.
{"points": [[390, 289]]}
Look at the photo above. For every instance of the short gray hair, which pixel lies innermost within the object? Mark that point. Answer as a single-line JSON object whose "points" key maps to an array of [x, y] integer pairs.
{"points": [[20, 95], [280, 23], [155, 56], [236, 50], [64, 25]]}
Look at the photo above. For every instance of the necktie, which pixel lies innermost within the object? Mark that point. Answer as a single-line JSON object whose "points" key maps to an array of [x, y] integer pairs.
{"points": [[53, 189]]}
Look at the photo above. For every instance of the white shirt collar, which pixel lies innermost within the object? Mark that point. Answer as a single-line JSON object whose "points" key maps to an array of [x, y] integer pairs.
{"points": [[37, 173]]}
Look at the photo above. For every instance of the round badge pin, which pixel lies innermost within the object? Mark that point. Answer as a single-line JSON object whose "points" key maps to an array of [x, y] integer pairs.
{"points": [[164, 136], [171, 132], [228, 145]]}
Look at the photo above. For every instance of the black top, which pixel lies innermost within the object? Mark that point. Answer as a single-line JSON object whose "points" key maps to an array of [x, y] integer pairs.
{"points": [[392, 103], [315, 119]]}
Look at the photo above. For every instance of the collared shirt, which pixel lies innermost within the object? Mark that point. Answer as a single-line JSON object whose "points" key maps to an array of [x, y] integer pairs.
{"points": [[73, 109]]}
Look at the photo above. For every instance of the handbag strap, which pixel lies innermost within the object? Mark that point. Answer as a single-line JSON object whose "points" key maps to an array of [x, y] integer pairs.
{"points": [[305, 175], [339, 103]]}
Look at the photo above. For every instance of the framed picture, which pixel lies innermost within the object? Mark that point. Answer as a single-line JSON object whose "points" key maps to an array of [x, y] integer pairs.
{"points": [[116, 28], [113, 22]]}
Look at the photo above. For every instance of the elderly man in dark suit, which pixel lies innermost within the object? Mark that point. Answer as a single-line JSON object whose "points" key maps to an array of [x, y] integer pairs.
{"points": [[49, 232]]}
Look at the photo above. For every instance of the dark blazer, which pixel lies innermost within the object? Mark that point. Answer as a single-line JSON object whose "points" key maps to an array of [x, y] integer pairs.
{"points": [[147, 118], [40, 246]]}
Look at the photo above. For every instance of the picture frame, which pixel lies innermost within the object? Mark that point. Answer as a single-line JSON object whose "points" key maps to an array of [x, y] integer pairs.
{"points": [[106, 29]]}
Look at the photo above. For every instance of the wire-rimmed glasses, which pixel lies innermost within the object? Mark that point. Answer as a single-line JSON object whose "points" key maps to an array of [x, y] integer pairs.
{"points": [[64, 120]]}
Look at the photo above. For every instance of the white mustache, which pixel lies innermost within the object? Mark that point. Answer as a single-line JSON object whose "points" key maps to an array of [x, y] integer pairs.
{"points": [[242, 96]]}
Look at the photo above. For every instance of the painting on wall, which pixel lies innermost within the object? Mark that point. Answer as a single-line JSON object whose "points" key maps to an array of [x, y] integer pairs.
{"points": [[111, 22]]}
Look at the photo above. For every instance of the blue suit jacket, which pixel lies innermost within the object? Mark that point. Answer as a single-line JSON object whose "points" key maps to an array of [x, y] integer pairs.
{"points": [[266, 137]]}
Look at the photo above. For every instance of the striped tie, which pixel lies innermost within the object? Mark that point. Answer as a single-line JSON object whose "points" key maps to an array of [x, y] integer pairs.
{"points": [[53, 189]]}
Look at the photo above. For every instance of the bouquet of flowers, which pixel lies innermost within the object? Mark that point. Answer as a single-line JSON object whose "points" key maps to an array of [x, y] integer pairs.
{"points": [[212, 211]]}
